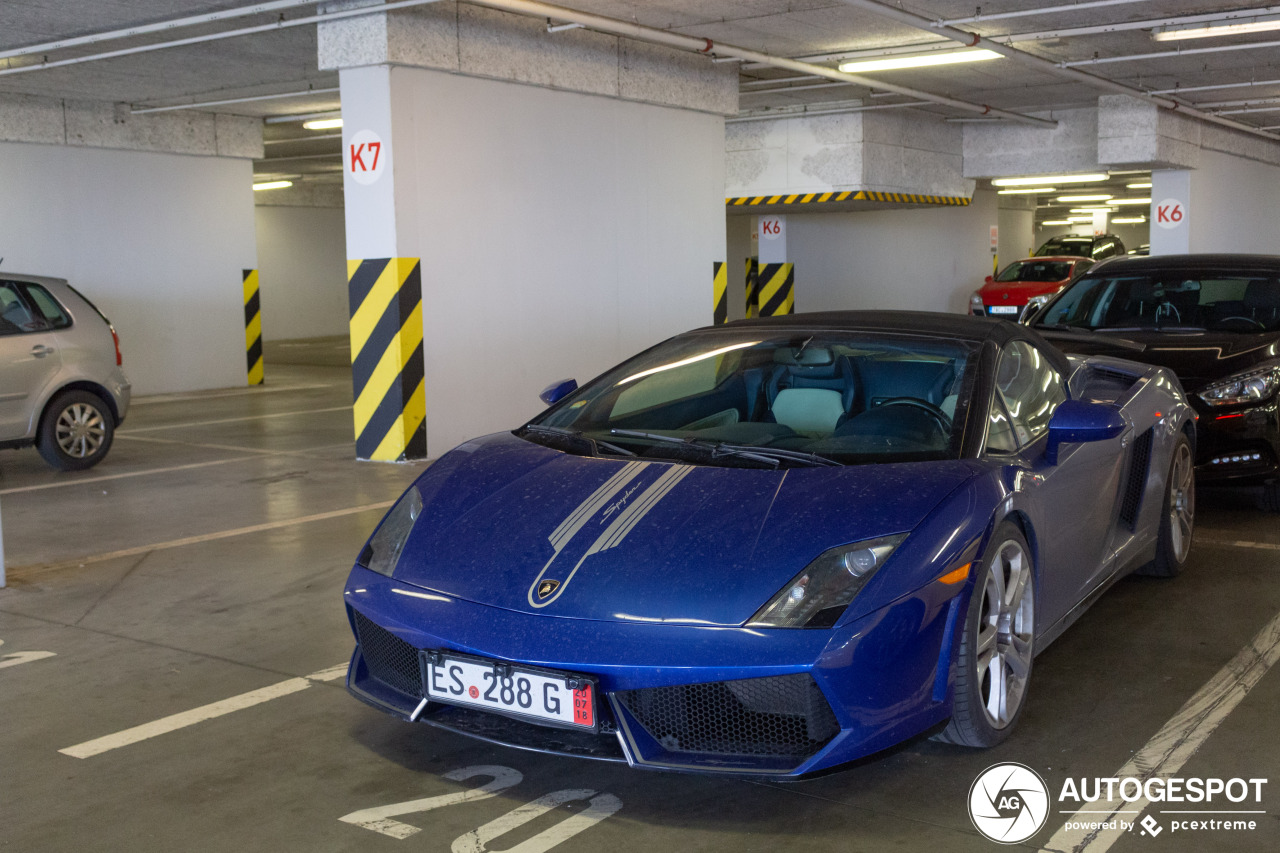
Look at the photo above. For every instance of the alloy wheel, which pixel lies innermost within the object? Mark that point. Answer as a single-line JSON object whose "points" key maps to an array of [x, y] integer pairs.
{"points": [[1006, 632]]}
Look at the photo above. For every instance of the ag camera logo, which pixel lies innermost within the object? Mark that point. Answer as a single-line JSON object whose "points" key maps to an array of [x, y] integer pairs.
{"points": [[1008, 803]]}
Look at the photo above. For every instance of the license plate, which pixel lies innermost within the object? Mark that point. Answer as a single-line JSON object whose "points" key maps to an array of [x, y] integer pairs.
{"points": [[1003, 309], [541, 695]]}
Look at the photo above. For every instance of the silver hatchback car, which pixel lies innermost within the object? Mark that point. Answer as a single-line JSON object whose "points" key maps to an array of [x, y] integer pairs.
{"points": [[61, 384]]}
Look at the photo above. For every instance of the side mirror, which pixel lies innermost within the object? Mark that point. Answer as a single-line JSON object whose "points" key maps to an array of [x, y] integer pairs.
{"points": [[989, 279], [557, 391], [1078, 421]]}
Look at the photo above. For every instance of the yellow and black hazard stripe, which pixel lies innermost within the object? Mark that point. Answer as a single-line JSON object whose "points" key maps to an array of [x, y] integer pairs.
{"points": [[720, 294], [386, 358], [753, 288], [253, 327], [777, 289], [846, 195]]}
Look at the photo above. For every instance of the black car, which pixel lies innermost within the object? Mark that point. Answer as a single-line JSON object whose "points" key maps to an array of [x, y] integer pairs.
{"points": [[1095, 248], [1212, 319]]}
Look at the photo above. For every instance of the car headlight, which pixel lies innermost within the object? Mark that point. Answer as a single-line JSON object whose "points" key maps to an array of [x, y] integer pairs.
{"points": [[975, 303], [1253, 386], [817, 596], [1033, 305], [383, 550]]}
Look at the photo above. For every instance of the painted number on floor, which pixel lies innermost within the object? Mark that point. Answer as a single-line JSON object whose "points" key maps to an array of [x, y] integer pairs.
{"points": [[600, 805], [18, 658]]}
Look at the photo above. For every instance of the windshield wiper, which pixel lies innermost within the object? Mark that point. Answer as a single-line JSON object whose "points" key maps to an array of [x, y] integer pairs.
{"points": [[769, 455], [1062, 327], [576, 435]]}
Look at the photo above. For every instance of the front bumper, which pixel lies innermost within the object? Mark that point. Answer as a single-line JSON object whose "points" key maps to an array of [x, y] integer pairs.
{"points": [[1239, 446], [778, 703]]}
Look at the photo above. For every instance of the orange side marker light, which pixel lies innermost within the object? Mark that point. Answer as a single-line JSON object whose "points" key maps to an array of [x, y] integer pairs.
{"points": [[957, 576]]}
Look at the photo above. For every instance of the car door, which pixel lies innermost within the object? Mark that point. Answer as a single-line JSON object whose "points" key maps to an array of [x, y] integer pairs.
{"points": [[29, 361], [1074, 501]]}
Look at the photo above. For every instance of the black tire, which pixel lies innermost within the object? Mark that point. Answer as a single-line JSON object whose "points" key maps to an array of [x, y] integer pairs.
{"points": [[75, 431], [986, 654], [1269, 497], [1177, 515]]}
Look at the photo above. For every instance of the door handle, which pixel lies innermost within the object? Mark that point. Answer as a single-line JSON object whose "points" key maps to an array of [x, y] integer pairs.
{"points": [[40, 350]]}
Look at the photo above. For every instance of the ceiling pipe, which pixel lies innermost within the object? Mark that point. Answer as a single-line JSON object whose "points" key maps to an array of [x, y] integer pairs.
{"points": [[1215, 87], [155, 27], [974, 40], [208, 37], [707, 46], [1046, 10], [1166, 54], [824, 111], [249, 99]]}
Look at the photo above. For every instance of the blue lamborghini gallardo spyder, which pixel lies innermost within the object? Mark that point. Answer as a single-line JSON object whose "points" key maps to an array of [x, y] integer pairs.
{"points": [[774, 546]]}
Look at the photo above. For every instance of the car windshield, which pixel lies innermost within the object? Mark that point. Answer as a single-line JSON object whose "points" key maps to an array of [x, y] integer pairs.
{"points": [[754, 397], [1227, 301], [1036, 271], [1066, 246]]}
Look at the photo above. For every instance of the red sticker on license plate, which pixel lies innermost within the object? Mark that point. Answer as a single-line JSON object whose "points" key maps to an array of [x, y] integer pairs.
{"points": [[583, 707]]}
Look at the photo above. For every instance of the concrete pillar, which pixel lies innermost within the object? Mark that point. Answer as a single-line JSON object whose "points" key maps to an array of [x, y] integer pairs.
{"points": [[562, 195]]}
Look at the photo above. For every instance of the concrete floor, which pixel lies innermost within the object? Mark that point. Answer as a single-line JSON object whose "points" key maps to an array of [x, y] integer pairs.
{"points": [[203, 562]]}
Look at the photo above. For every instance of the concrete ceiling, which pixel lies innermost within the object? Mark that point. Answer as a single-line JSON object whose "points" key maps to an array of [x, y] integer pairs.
{"points": [[284, 60]]}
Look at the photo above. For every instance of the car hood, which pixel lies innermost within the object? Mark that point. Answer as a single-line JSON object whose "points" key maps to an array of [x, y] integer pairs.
{"points": [[1017, 292], [1198, 358], [645, 541]]}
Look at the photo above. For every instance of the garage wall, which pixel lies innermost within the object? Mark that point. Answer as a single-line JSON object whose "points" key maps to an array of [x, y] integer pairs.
{"points": [[927, 259], [559, 232], [302, 262], [157, 241], [1233, 204]]}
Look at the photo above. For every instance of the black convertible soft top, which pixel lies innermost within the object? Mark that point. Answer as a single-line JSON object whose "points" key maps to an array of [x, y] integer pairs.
{"points": [[962, 326]]}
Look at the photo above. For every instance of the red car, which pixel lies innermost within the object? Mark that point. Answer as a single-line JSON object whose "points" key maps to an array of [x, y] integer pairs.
{"points": [[1007, 294]]}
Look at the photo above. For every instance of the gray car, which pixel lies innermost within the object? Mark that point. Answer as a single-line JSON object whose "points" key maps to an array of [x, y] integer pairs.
{"points": [[61, 384]]}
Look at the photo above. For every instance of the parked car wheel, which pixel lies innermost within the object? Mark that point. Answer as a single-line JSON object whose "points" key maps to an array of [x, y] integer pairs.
{"points": [[1177, 524], [76, 431], [1269, 497], [996, 650]]}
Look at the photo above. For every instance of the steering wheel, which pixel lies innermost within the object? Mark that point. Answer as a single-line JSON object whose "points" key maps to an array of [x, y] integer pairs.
{"points": [[923, 405], [1250, 320]]}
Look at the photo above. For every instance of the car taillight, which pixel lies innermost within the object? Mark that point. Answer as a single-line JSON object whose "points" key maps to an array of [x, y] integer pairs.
{"points": [[116, 340], [975, 303]]}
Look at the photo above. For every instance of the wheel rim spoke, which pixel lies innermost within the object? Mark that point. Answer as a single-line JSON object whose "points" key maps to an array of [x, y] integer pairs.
{"points": [[1005, 636], [80, 430]]}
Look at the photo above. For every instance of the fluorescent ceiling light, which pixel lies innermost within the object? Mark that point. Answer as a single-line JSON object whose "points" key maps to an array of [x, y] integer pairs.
{"points": [[1092, 208], [1226, 27], [1098, 197], [272, 185], [323, 124], [1040, 180], [1130, 201], [1056, 222], [1129, 220], [919, 60], [1140, 185], [1023, 190]]}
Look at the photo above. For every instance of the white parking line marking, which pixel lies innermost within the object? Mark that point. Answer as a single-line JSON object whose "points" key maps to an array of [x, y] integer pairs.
{"points": [[18, 658], [1232, 543], [235, 420], [381, 819], [174, 722], [1180, 738], [217, 395], [333, 673], [59, 484], [207, 537]]}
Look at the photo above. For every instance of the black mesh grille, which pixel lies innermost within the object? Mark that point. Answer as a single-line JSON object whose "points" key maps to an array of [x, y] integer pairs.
{"points": [[784, 715], [1137, 479], [390, 659]]}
